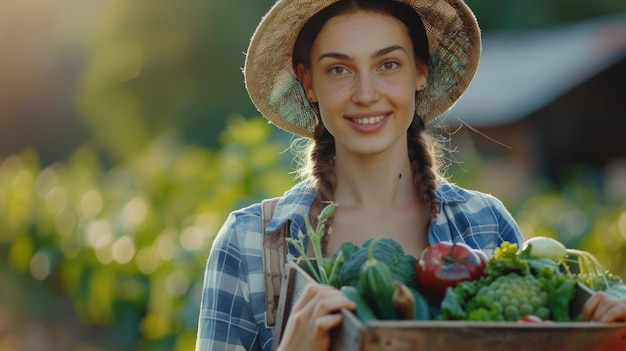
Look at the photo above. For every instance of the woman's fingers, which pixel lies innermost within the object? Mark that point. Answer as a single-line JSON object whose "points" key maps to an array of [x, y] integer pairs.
{"points": [[313, 316], [604, 308], [322, 299], [328, 322], [318, 301]]}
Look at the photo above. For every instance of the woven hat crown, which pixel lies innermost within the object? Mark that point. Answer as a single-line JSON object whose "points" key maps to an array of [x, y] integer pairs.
{"points": [[454, 45]]}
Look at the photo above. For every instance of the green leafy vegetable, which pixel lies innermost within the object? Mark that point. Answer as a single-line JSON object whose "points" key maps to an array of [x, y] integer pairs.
{"points": [[514, 285], [385, 250], [333, 266]]}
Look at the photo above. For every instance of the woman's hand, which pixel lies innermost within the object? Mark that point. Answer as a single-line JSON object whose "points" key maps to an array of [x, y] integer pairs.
{"points": [[312, 318], [604, 308]]}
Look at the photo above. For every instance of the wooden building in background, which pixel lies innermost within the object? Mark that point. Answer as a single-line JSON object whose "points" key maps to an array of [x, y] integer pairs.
{"points": [[556, 98]]}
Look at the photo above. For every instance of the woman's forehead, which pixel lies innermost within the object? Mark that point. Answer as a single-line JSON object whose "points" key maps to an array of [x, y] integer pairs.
{"points": [[361, 30]]}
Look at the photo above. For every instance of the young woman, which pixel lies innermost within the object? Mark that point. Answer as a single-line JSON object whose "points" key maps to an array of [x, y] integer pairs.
{"points": [[360, 78]]}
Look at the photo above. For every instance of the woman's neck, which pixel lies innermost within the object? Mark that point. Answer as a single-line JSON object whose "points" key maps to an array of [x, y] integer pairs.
{"points": [[379, 181]]}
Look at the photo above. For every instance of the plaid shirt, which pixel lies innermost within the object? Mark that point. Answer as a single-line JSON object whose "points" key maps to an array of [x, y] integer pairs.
{"points": [[232, 313]]}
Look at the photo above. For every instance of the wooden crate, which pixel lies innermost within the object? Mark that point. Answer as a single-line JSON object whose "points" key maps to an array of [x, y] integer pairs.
{"points": [[354, 335]]}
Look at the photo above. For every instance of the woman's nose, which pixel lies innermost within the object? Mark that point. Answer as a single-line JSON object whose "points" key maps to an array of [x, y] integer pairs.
{"points": [[365, 91]]}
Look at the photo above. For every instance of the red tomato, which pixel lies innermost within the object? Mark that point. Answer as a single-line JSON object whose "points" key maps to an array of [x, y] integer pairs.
{"points": [[446, 264], [531, 318]]}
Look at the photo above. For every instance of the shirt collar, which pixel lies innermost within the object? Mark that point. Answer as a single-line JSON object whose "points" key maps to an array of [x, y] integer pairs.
{"points": [[293, 206]]}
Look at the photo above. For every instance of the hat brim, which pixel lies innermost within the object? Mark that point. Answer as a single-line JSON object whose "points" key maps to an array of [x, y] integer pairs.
{"points": [[454, 44]]}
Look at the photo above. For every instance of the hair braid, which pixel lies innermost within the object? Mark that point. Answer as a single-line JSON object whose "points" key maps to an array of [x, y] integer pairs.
{"points": [[424, 165], [323, 171]]}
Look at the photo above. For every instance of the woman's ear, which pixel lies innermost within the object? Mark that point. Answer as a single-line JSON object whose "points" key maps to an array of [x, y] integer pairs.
{"points": [[304, 76], [422, 78]]}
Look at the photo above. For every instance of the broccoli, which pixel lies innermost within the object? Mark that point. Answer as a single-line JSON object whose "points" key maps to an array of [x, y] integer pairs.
{"points": [[511, 296], [386, 250], [333, 265]]}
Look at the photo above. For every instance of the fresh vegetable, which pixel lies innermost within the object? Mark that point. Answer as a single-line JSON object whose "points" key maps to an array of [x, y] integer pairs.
{"points": [[543, 247], [531, 318], [578, 263], [506, 259], [319, 271], [333, 266], [363, 310], [446, 264], [483, 258], [385, 250], [403, 302], [422, 309], [512, 296], [409, 304], [363, 273], [514, 285], [378, 285]]}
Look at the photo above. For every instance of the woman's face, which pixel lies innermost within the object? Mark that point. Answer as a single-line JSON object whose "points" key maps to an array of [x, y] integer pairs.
{"points": [[364, 76]]}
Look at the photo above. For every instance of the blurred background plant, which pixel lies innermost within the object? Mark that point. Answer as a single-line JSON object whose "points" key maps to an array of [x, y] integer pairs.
{"points": [[127, 245], [126, 137]]}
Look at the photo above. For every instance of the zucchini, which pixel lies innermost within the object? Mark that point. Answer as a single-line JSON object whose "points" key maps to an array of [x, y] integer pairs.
{"points": [[422, 309], [363, 310], [378, 285]]}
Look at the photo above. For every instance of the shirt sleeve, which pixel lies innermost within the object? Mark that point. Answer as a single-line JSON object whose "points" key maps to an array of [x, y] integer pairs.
{"points": [[226, 321], [509, 230], [492, 225]]}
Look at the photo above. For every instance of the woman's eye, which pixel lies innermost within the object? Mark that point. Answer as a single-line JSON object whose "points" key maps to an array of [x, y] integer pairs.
{"points": [[389, 65], [338, 70]]}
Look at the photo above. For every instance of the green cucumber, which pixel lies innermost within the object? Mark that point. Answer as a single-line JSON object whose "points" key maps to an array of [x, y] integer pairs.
{"points": [[363, 310], [378, 285]]}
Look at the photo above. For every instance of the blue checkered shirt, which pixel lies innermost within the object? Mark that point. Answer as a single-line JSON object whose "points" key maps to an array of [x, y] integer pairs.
{"points": [[232, 312]]}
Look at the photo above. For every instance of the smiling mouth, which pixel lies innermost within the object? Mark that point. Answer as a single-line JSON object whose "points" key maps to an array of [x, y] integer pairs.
{"points": [[368, 120]]}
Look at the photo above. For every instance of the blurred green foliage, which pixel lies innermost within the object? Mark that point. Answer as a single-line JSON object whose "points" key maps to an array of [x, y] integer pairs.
{"points": [[128, 245], [164, 66], [580, 217]]}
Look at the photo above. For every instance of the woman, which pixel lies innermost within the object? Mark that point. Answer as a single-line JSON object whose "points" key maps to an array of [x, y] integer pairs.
{"points": [[361, 79]]}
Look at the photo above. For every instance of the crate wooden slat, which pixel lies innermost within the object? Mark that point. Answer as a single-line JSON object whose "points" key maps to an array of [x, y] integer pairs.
{"points": [[353, 335]]}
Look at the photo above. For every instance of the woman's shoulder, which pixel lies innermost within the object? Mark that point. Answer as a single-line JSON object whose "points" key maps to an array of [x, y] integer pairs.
{"points": [[475, 217], [458, 204], [240, 228], [295, 200], [450, 193]]}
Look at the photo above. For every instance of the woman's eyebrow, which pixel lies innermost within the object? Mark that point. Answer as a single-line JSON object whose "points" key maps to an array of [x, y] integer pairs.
{"points": [[334, 55], [385, 51], [379, 53]]}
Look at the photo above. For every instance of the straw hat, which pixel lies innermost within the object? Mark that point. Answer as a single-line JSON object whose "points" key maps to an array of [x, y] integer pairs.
{"points": [[454, 41]]}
